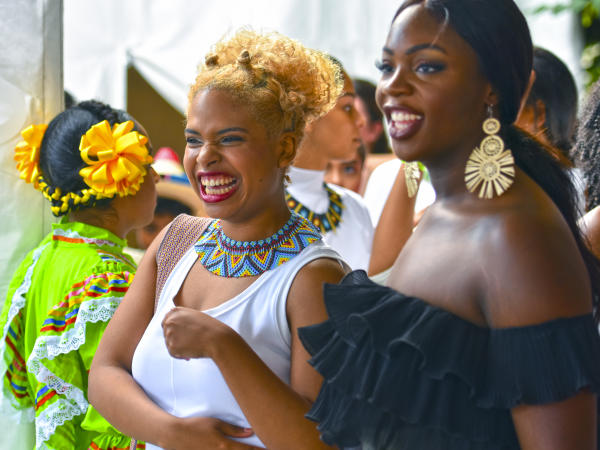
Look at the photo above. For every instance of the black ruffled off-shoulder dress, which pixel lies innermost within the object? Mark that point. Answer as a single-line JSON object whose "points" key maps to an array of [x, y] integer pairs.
{"points": [[402, 374]]}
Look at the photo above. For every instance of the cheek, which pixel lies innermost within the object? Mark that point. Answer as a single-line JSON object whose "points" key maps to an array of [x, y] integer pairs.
{"points": [[147, 192], [188, 162], [189, 167]]}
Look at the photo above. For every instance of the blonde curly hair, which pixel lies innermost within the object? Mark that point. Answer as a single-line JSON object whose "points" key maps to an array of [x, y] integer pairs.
{"points": [[285, 84]]}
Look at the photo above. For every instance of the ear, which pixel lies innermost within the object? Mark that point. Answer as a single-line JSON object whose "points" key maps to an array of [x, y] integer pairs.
{"points": [[491, 98], [532, 76], [373, 130], [540, 114], [286, 150]]}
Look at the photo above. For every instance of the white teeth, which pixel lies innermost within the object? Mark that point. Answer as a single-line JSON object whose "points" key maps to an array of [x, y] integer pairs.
{"points": [[400, 127], [218, 181], [217, 191], [399, 116]]}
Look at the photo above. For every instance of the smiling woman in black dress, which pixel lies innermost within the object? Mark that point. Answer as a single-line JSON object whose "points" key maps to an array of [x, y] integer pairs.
{"points": [[485, 336]]}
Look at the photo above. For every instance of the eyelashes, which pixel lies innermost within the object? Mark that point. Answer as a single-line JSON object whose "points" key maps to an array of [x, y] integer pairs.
{"points": [[423, 67], [383, 67]]}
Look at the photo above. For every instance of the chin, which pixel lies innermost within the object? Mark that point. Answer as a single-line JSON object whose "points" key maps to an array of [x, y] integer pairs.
{"points": [[404, 153]]}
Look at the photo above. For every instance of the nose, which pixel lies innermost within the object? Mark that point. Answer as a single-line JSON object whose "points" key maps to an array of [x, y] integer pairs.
{"points": [[333, 175], [396, 84], [208, 155], [359, 119]]}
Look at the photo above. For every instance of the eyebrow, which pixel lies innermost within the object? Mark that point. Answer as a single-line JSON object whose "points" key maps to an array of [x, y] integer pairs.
{"points": [[223, 131], [348, 94], [416, 48]]}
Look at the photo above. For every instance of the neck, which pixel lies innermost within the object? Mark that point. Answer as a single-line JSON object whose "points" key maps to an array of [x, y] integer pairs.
{"points": [[447, 172], [101, 219], [260, 225]]}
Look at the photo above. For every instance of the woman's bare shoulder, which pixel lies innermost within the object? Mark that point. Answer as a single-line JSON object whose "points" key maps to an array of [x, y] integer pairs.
{"points": [[532, 268]]}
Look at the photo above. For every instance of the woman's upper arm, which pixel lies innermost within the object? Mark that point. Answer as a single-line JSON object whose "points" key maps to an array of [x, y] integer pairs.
{"points": [[305, 306], [565, 425], [590, 224], [539, 276], [533, 272], [131, 318]]}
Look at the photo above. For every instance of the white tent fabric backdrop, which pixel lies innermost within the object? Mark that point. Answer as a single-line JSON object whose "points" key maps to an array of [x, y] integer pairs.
{"points": [[30, 92], [165, 40]]}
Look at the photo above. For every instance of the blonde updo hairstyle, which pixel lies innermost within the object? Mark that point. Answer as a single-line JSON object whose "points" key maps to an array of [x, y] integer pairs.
{"points": [[285, 84]]}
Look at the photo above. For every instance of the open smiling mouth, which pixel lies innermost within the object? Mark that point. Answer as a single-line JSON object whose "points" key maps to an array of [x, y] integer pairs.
{"points": [[404, 124], [217, 188]]}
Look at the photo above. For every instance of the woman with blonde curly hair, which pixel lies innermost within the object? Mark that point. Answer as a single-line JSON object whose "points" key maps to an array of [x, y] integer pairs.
{"points": [[92, 163], [217, 363]]}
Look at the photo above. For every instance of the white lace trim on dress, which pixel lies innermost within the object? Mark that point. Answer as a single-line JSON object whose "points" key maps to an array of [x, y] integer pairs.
{"points": [[74, 402], [8, 406]]}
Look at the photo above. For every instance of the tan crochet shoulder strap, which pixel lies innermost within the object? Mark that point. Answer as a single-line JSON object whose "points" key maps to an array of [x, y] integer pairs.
{"points": [[183, 232]]}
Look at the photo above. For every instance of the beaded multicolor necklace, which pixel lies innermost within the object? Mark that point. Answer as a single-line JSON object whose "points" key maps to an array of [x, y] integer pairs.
{"points": [[326, 221], [229, 258]]}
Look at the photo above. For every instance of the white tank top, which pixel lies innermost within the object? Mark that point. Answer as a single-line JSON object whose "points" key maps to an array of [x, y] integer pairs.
{"points": [[196, 387]]}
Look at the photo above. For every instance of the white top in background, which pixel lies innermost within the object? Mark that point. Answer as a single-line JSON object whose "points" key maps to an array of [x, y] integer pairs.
{"points": [[353, 237]]}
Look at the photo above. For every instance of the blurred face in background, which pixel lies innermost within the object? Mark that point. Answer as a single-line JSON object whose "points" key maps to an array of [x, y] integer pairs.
{"points": [[145, 235], [346, 172], [336, 134], [370, 131]]}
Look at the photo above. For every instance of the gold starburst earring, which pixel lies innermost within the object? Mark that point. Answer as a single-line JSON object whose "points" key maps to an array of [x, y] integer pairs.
{"points": [[490, 165], [411, 176]]}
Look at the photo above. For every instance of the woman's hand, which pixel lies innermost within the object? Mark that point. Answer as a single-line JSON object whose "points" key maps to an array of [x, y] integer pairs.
{"points": [[193, 334], [206, 432]]}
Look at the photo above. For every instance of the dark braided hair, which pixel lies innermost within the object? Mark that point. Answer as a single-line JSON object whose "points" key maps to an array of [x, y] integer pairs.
{"points": [[498, 33], [587, 145], [60, 160]]}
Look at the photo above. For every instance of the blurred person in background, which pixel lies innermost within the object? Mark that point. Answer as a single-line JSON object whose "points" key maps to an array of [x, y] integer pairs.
{"points": [[550, 112], [587, 156], [92, 163], [347, 173], [372, 133], [339, 213]]}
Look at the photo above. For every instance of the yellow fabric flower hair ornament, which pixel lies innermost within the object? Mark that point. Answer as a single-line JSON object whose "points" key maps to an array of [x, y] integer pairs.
{"points": [[116, 158], [27, 153]]}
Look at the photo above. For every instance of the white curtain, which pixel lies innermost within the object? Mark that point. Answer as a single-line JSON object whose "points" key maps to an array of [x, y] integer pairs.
{"points": [[31, 91], [165, 40]]}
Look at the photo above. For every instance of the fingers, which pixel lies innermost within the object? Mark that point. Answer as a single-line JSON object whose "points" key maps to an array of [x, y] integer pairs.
{"points": [[168, 315], [233, 430], [230, 430]]}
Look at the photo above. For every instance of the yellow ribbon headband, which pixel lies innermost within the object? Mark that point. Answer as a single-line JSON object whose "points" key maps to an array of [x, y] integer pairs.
{"points": [[116, 161]]}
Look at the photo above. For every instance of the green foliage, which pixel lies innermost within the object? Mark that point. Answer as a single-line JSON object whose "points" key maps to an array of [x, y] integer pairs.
{"points": [[588, 9], [588, 12]]}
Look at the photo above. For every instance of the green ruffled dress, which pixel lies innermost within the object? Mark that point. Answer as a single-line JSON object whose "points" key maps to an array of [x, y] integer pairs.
{"points": [[58, 305]]}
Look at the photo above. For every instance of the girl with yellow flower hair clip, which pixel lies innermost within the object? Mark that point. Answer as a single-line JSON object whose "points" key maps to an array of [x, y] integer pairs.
{"points": [[92, 164]]}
